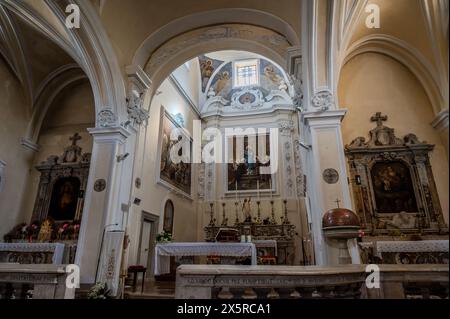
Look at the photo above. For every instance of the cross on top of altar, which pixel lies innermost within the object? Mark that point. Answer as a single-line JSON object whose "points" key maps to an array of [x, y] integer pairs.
{"points": [[379, 118], [75, 138], [337, 201]]}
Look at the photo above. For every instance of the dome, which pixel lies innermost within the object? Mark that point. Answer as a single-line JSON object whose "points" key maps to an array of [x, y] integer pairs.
{"points": [[340, 217]]}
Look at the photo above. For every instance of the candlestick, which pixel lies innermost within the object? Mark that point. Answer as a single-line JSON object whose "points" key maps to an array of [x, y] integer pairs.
{"points": [[273, 221], [285, 220], [237, 214], [224, 219], [212, 221], [257, 187], [258, 219]]}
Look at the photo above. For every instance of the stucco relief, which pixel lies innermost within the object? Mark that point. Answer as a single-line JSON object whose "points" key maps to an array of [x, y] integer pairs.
{"points": [[106, 118], [265, 37]]}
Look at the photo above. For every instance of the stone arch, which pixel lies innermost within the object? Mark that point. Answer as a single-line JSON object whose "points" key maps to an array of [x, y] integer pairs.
{"points": [[54, 85], [405, 54], [89, 47], [210, 18], [190, 44]]}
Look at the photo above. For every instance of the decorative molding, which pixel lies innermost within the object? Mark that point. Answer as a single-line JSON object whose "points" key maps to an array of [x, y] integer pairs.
{"points": [[247, 99], [30, 145], [106, 118], [323, 100], [183, 94], [134, 108], [440, 123]]}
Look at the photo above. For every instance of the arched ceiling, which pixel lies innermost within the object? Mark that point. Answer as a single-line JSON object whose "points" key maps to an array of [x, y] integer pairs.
{"points": [[32, 56], [129, 25]]}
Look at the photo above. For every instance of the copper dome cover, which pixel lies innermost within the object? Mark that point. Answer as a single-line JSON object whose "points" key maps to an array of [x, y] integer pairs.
{"points": [[339, 217]]}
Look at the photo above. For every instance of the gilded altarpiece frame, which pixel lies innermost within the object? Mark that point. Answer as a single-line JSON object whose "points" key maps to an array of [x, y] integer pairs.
{"points": [[399, 170]]}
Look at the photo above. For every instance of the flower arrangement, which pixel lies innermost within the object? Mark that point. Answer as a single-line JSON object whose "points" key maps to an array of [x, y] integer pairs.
{"points": [[99, 291], [30, 233], [164, 237]]}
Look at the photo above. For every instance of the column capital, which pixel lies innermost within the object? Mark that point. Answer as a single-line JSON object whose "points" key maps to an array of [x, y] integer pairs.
{"points": [[109, 134], [138, 76], [328, 118], [441, 121], [29, 144]]}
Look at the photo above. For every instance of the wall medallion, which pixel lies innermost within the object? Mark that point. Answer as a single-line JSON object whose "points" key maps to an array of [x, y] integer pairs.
{"points": [[138, 182], [100, 185], [330, 176]]}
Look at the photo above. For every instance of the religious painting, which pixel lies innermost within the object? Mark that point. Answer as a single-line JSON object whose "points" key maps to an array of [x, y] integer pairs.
{"points": [[249, 162], [393, 188], [64, 199], [168, 217], [175, 172], [207, 68]]}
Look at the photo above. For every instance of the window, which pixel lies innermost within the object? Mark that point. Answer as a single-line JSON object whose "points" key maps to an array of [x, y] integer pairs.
{"points": [[246, 73]]}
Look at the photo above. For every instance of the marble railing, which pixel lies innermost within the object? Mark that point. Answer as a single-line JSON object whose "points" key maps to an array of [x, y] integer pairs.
{"points": [[34, 281], [280, 282]]}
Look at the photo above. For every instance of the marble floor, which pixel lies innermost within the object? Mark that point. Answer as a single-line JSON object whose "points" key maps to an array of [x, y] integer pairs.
{"points": [[152, 290]]}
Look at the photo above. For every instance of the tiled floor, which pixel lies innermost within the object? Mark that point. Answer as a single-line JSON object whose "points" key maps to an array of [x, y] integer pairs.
{"points": [[152, 290]]}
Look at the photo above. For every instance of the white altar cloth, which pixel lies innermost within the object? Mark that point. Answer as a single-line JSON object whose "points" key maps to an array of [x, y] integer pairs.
{"points": [[380, 247], [266, 243], [164, 251], [56, 248]]}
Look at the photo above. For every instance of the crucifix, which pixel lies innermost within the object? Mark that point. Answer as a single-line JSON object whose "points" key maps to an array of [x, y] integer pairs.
{"points": [[75, 138], [337, 201], [379, 118]]}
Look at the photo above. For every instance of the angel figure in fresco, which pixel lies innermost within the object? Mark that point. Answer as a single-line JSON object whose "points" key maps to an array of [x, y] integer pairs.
{"points": [[223, 82], [271, 74], [207, 71]]}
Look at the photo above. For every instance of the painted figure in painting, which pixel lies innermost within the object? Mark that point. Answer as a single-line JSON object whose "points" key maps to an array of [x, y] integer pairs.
{"points": [[393, 188]]}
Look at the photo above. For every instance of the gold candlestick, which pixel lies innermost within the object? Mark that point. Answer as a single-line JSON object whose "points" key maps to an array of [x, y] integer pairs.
{"points": [[224, 219], [212, 221], [273, 221], [285, 219], [258, 219], [237, 212]]}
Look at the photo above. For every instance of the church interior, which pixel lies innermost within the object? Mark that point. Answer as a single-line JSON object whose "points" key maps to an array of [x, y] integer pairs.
{"points": [[224, 149]]}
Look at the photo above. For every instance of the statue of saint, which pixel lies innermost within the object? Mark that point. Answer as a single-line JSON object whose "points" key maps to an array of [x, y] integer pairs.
{"points": [[246, 210]]}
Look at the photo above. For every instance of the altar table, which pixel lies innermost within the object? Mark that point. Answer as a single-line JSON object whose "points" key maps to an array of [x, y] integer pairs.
{"points": [[164, 251], [32, 252], [392, 250]]}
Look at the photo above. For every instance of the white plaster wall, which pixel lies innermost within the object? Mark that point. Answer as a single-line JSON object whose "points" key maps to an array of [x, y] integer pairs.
{"points": [[373, 83], [71, 112], [153, 195], [14, 116]]}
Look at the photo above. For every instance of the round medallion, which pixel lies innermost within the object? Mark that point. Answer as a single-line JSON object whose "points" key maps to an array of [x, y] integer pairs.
{"points": [[138, 182], [99, 185], [330, 176], [247, 98]]}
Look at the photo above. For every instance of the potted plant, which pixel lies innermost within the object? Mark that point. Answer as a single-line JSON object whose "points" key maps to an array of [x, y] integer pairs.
{"points": [[164, 237], [99, 291]]}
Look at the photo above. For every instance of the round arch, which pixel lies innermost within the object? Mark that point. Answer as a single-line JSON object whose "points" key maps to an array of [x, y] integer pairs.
{"points": [[88, 46], [404, 54], [262, 41]]}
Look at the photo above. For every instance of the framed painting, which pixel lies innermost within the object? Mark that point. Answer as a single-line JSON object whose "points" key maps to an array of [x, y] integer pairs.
{"points": [[248, 158], [393, 188], [175, 167]]}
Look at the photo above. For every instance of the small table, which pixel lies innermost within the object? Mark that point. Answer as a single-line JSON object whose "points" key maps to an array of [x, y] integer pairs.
{"points": [[135, 270]]}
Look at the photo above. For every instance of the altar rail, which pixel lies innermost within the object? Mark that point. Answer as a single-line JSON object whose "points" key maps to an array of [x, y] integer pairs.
{"points": [[36, 281], [316, 282]]}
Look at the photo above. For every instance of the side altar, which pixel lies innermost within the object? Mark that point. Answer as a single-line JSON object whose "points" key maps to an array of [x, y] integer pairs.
{"points": [[257, 230]]}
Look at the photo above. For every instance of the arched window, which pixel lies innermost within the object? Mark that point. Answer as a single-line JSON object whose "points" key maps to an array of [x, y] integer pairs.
{"points": [[168, 217]]}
